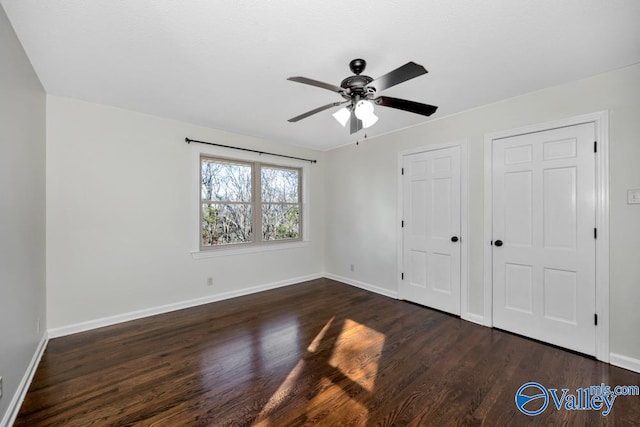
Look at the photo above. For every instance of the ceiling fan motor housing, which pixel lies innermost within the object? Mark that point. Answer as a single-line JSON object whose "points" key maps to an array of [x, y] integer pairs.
{"points": [[357, 66], [356, 85]]}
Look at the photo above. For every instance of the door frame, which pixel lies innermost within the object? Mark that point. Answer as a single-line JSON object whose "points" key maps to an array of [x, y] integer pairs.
{"points": [[601, 122], [464, 217]]}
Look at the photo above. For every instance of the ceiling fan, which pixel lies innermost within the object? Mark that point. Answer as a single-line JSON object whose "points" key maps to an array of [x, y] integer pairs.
{"points": [[360, 91]]}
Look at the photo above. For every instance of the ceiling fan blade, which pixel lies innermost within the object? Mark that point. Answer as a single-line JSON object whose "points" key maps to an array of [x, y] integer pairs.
{"points": [[316, 110], [323, 85], [408, 71], [403, 104], [356, 123]]}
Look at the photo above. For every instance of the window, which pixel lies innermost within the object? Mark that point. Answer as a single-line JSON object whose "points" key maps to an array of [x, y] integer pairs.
{"points": [[280, 202], [248, 203]]}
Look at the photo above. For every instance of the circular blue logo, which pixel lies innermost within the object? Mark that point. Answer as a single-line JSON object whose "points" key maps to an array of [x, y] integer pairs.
{"points": [[532, 392]]}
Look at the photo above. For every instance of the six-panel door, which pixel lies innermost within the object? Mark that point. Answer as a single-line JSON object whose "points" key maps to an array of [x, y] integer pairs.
{"points": [[543, 231], [431, 232]]}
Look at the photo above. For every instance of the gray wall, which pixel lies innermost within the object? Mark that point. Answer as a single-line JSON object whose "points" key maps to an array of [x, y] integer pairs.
{"points": [[22, 212]]}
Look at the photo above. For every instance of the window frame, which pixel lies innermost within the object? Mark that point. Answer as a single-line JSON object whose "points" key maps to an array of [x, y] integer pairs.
{"points": [[257, 242], [251, 202], [260, 202]]}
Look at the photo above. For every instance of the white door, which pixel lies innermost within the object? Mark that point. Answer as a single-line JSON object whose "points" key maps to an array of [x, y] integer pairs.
{"points": [[543, 236], [431, 230]]}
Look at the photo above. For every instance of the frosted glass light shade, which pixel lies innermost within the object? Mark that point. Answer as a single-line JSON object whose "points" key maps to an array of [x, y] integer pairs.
{"points": [[370, 120], [364, 111], [342, 116]]}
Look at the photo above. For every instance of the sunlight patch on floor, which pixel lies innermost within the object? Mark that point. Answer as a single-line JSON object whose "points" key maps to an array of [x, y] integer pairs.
{"points": [[334, 392], [356, 353], [315, 344], [282, 393]]}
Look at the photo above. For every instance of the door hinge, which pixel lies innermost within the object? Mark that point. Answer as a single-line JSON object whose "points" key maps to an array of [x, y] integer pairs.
{"points": [[402, 224], [402, 276], [595, 319], [402, 171], [595, 233], [595, 146]]}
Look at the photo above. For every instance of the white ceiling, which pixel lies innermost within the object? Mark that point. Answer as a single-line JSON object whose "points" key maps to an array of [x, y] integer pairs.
{"points": [[224, 63]]}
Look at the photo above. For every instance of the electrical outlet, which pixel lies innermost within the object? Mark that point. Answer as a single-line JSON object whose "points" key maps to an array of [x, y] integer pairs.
{"points": [[352, 267], [209, 281]]}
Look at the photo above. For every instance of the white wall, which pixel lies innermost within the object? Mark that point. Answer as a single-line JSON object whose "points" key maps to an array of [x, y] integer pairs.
{"points": [[121, 216], [362, 187], [22, 213]]}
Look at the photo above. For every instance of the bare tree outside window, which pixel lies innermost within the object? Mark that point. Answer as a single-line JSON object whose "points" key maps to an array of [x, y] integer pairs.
{"points": [[244, 202], [280, 203], [226, 196]]}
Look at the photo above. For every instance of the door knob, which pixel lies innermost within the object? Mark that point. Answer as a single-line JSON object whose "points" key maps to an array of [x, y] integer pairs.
{"points": [[454, 239], [498, 243]]}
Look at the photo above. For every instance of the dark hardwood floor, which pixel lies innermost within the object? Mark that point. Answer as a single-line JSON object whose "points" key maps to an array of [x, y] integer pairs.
{"points": [[317, 353]]}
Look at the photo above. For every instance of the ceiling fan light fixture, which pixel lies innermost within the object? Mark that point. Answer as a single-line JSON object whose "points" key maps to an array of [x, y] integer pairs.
{"points": [[364, 112], [359, 91], [364, 109], [342, 116], [369, 121]]}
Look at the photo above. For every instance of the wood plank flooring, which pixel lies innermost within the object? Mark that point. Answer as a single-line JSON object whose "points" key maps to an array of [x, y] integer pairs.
{"points": [[317, 353]]}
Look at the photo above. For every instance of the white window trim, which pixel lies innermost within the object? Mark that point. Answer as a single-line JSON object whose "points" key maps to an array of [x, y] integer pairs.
{"points": [[249, 249], [198, 150]]}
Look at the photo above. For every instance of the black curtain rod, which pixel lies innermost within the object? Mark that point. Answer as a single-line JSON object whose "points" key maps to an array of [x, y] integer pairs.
{"points": [[189, 141]]}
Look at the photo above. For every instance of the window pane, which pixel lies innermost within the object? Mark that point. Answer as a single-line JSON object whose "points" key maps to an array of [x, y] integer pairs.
{"points": [[280, 222], [225, 181], [279, 185], [224, 223]]}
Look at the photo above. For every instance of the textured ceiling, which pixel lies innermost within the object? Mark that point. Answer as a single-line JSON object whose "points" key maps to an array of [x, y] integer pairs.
{"points": [[224, 64]]}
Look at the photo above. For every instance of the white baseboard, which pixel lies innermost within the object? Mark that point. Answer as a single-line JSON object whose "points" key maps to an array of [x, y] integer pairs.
{"points": [[619, 360], [16, 402], [625, 362], [133, 315], [474, 318], [362, 285]]}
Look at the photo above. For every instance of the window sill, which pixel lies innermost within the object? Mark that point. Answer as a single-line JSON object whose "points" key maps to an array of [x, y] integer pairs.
{"points": [[215, 253]]}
